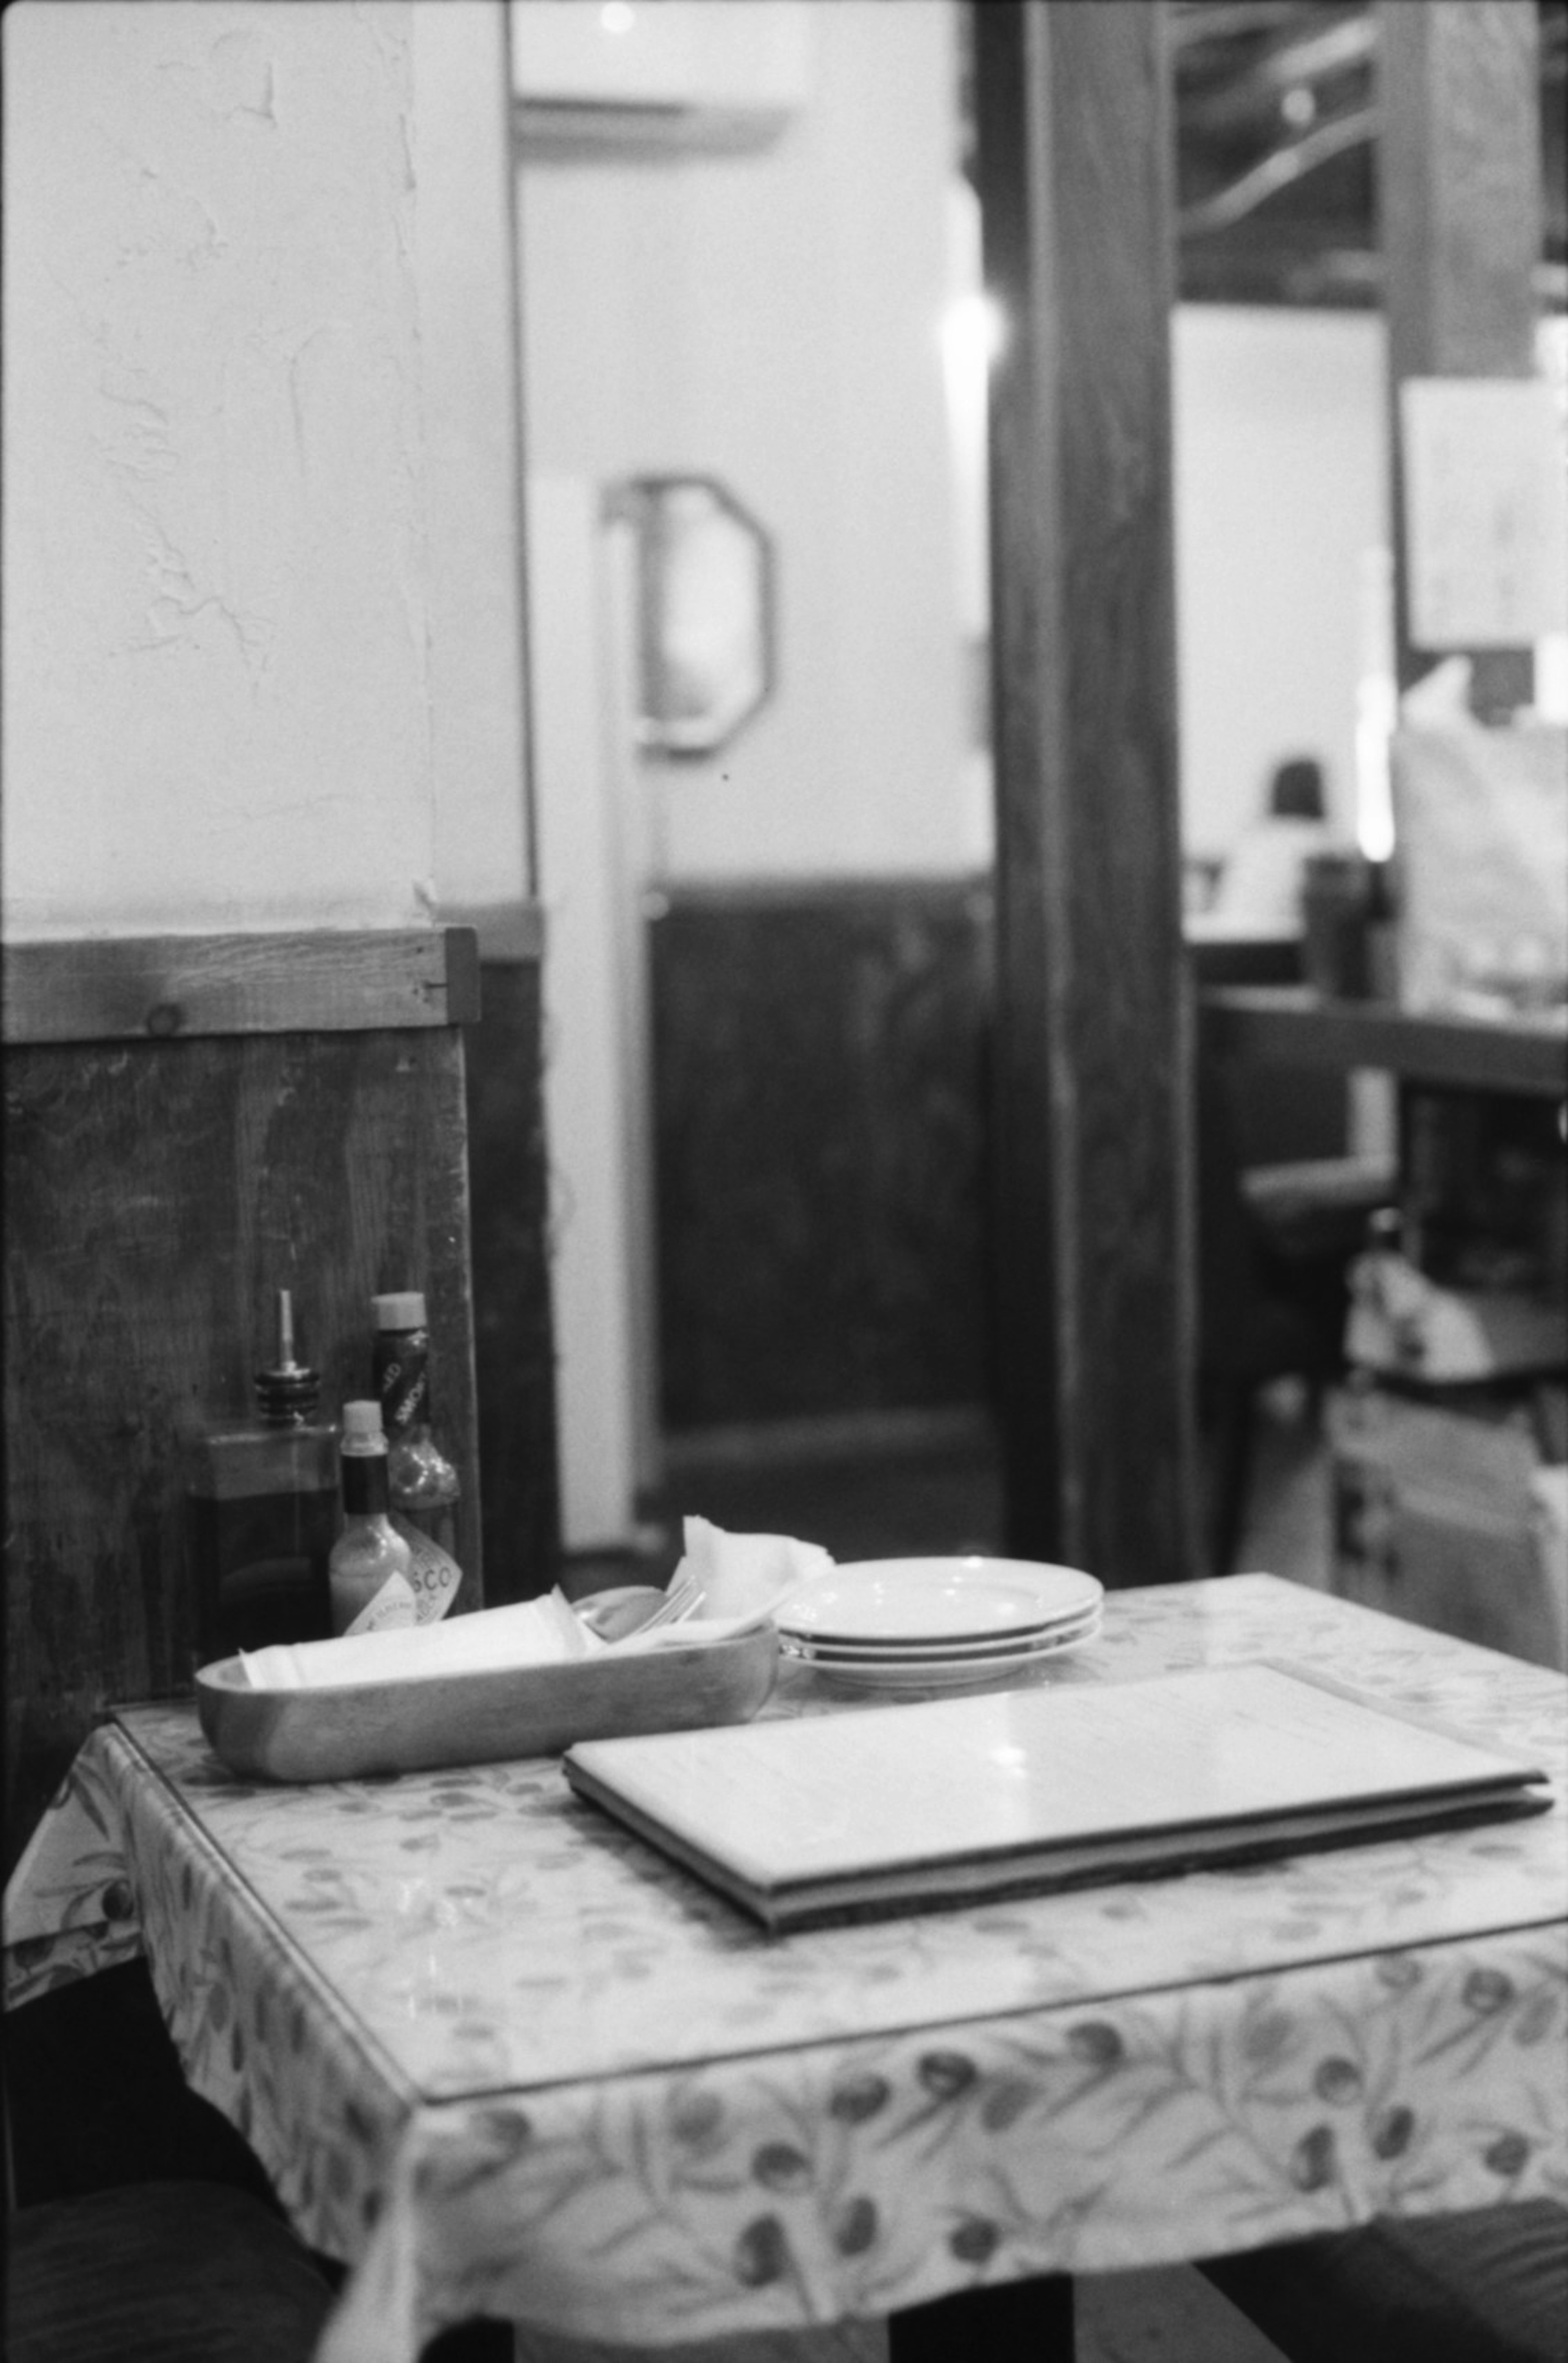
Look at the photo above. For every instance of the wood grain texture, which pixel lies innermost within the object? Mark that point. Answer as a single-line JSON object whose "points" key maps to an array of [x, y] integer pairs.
{"points": [[1461, 225], [484, 1717], [157, 1196], [1259, 1021], [819, 1134], [1460, 188], [1094, 1224], [513, 1329], [160, 988]]}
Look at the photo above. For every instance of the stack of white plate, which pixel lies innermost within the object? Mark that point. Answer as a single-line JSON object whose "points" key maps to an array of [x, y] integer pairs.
{"points": [[917, 1624]]}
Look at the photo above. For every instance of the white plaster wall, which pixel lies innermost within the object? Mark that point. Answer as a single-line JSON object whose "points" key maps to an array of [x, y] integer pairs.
{"points": [[774, 318], [467, 371], [1281, 484], [230, 525]]}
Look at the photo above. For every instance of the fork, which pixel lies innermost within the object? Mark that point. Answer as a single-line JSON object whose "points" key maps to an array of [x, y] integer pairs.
{"points": [[608, 1613], [682, 1599]]}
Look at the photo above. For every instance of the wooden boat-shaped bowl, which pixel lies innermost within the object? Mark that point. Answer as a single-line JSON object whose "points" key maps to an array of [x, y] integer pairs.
{"points": [[368, 1729]]}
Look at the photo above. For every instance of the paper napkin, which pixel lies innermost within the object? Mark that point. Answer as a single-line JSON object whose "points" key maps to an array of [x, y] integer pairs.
{"points": [[743, 1579], [527, 1633], [748, 1575]]}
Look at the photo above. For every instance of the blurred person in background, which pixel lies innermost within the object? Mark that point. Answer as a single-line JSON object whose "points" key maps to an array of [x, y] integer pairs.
{"points": [[1261, 883]]}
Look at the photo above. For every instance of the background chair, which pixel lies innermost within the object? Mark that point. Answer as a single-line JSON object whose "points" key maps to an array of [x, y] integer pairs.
{"points": [[1490, 2287], [1275, 1245], [140, 2227], [160, 2272]]}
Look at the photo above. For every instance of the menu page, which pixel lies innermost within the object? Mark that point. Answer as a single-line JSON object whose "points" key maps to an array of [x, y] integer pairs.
{"points": [[856, 1795]]}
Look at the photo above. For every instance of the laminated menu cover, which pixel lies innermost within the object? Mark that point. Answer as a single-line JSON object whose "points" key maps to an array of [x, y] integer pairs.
{"points": [[883, 1809]]}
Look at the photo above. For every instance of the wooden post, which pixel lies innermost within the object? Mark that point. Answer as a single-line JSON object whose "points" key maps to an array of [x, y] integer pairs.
{"points": [[1092, 1231], [1460, 214]]}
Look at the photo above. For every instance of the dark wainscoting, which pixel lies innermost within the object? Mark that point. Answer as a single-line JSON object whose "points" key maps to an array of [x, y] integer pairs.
{"points": [[819, 1055], [189, 1128], [821, 1117]]}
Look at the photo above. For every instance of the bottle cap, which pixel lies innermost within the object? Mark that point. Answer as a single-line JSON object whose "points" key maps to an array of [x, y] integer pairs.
{"points": [[403, 1310], [362, 1427], [289, 1391]]}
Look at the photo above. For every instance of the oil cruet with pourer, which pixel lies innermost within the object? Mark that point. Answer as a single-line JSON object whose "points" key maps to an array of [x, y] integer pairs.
{"points": [[261, 1513]]}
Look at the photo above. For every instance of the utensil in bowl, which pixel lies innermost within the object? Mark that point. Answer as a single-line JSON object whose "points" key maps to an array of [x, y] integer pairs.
{"points": [[622, 1609], [619, 1609]]}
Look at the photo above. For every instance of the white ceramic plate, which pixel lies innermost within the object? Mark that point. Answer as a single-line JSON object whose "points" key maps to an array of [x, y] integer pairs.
{"points": [[939, 1673], [969, 1599], [916, 1653]]}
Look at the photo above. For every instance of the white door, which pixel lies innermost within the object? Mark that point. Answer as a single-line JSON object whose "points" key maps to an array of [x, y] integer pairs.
{"points": [[591, 870]]}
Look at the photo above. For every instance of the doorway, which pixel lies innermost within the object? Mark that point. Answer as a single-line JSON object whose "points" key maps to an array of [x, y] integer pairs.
{"points": [[766, 959]]}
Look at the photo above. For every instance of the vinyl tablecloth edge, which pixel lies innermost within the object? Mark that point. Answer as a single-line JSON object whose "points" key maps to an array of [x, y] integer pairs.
{"points": [[848, 2179]]}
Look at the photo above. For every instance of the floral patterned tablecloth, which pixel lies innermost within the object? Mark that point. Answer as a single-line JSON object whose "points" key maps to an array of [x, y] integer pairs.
{"points": [[507, 2058]]}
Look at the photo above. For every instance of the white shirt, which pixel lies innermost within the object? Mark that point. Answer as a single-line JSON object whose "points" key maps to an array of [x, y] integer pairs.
{"points": [[1260, 887]]}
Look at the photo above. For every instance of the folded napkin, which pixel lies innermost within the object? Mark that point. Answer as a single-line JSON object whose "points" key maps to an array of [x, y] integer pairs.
{"points": [[742, 1578], [747, 1575], [527, 1632]]}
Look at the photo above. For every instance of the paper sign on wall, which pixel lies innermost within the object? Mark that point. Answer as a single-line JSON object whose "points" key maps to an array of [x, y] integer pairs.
{"points": [[1485, 512]]}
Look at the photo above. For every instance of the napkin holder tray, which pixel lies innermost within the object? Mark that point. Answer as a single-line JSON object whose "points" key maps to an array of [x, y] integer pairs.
{"points": [[362, 1730]]}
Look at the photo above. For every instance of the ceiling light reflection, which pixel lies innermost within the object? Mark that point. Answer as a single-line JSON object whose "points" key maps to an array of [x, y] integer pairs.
{"points": [[973, 335]]}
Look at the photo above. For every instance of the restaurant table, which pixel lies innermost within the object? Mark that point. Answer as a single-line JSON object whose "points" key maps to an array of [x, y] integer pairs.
{"points": [[506, 2058], [1528, 1057]]}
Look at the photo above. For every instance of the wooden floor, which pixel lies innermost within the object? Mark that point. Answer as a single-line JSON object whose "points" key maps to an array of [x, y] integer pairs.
{"points": [[1288, 1529], [942, 1493]]}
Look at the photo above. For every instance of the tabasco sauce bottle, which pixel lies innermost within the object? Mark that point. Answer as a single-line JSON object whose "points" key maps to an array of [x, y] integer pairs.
{"points": [[422, 1484], [370, 1572]]}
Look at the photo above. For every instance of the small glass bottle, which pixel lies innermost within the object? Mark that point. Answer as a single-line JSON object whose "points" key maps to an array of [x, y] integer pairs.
{"points": [[370, 1572], [423, 1485], [261, 1512]]}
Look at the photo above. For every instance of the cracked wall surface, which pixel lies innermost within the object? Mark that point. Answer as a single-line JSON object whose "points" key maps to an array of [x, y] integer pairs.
{"points": [[228, 493]]}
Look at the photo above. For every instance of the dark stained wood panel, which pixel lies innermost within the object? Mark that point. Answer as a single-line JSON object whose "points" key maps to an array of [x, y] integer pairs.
{"points": [[1460, 223], [1464, 1053], [1095, 1320], [1278, 126], [159, 987], [513, 1330], [1460, 193], [819, 1114], [157, 1195]]}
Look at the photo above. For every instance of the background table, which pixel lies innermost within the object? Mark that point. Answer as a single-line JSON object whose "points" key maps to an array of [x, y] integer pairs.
{"points": [[1481, 1054], [512, 2061]]}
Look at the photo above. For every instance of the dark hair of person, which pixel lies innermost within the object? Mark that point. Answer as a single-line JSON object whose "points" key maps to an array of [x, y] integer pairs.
{"points": [[1296, 791]]}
